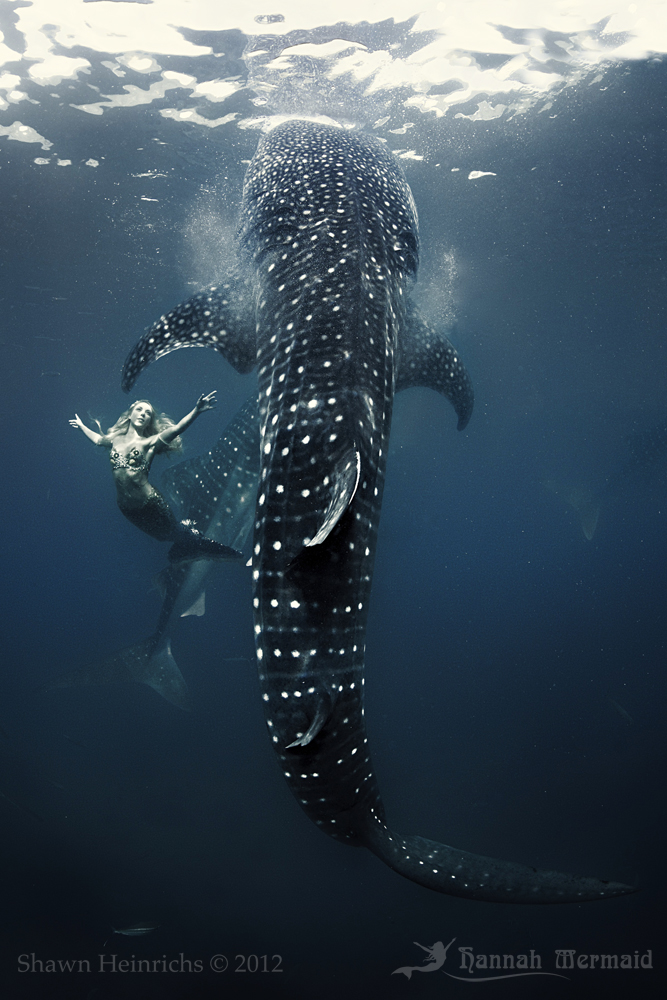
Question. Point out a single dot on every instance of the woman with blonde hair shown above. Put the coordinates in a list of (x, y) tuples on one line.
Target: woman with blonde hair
[(134, 440)]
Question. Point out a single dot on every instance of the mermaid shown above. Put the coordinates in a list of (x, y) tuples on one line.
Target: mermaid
[(134, 440)]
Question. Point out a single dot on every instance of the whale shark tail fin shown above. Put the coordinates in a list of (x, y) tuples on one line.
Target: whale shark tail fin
[(582, 500), (458, 873), (146, 662)]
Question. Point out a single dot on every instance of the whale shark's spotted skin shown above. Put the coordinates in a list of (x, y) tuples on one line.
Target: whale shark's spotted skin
[(332, 230), (329, 233)]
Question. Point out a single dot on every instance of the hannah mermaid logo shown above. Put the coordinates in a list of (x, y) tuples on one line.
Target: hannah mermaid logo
[(512, 966), (437, 954)]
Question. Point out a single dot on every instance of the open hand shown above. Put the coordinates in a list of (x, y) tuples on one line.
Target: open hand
[(206, 402), (77, 422)]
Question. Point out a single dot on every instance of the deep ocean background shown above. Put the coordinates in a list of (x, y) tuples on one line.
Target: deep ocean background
[(499, 638)]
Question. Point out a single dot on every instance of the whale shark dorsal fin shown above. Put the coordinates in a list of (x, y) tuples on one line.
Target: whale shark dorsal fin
[(198, 607), (344, 481)]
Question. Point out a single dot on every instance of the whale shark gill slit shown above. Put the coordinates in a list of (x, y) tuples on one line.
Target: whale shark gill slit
[(329, 237)]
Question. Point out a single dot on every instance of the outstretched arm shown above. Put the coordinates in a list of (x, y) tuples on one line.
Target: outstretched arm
[(203, 403), (91, 435)]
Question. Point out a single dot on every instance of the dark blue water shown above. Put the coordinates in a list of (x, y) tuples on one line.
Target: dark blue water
[(515, 670)]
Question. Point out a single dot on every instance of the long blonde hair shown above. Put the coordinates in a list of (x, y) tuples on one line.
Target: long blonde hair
[(156, 426)]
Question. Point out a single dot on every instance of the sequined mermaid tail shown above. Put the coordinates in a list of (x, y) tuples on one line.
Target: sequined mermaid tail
[(191, 544), (149, 662), (155, 518)]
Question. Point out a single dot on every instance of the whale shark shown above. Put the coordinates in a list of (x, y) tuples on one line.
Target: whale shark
[(328, 249), (215, 491)]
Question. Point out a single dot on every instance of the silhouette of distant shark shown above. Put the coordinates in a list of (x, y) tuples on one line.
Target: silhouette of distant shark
[(330, 240), (647, 448)]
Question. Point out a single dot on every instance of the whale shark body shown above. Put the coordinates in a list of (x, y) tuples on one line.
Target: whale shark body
[(329, 246)]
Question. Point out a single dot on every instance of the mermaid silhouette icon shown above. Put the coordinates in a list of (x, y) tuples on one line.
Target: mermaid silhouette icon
[(437, 954)]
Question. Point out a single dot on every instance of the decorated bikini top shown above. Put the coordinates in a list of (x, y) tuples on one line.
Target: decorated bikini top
[(134, 461)]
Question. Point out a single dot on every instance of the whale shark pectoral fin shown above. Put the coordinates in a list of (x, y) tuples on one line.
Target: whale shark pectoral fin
[(428, 358), (220, 317), (321, 715), (344, 481)]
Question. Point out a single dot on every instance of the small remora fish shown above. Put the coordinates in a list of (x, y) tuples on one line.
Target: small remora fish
[(135, 930), (329, 232), (621, 711)]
